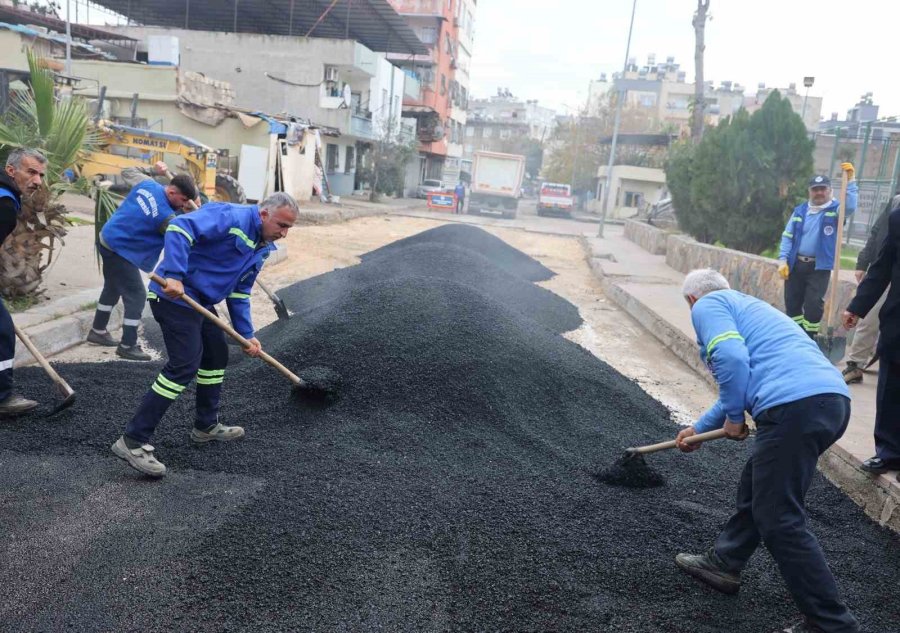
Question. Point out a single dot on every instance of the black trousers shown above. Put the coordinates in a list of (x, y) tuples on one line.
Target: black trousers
[(7, 352), (195, 346), (887, 408), (804, 296), (770, 505), (121, 280)]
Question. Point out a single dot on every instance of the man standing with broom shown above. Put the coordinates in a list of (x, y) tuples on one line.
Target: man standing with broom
[(798, 415), (808, 245)]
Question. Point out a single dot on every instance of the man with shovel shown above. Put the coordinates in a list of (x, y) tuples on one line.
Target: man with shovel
[(23, 175), (211, 255), (806, 258), (754, 351)]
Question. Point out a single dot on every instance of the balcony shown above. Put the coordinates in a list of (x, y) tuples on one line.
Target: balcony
[(419, 7), (361, 127)]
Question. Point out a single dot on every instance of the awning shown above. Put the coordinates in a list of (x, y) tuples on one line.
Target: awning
[(410, 110), (373, 23)]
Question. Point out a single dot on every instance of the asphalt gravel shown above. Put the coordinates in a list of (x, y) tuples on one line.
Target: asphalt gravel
[(450, 488)]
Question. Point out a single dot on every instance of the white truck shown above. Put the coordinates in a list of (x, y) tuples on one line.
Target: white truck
[(496, 183), (555, 198)]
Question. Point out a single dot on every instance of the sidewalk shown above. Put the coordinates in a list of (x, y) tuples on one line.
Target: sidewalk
[(650, 291)]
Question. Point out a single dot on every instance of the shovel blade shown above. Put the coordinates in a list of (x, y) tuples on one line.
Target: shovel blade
[(832, 346), (65, 404)]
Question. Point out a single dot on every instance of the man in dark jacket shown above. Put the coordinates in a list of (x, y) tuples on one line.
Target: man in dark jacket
[(884, 271), (862, 348), (23, 175)]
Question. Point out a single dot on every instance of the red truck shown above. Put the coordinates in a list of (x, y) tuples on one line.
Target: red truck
[(555, 199)]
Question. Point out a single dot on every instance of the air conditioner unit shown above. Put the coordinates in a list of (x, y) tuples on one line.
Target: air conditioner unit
[(331, 73)]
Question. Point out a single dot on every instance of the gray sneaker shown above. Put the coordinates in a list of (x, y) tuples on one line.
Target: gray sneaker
[(140, 458), (218, 433), (853, 373), (103, 339), (706, 568), (16, 405)]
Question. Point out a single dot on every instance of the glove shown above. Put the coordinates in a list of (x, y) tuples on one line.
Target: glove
[(851, 171), (783, 269)]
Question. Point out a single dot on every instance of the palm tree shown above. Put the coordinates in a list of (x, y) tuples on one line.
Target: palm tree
[(58, 128)]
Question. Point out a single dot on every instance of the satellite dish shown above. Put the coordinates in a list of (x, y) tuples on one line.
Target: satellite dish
[(347, 95)]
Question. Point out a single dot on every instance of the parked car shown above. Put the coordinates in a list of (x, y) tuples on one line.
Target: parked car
[(429, 186), (555, 199)]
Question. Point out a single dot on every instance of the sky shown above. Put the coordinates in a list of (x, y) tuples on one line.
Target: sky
[(550, 50)]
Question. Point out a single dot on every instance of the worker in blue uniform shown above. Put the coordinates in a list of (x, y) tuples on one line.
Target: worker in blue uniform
[(754, 351), (211, 255), (131, 241), (806, 257), (22, 177)]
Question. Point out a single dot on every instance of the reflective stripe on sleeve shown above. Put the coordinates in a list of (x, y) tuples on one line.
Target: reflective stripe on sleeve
[(725, 336), (178, 229)]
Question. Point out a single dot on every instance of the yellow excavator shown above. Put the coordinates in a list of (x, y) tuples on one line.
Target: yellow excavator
[(124, 146)]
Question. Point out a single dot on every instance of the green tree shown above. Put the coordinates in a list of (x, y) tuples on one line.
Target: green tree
[(531, 149), (57, 127), (739, 184)]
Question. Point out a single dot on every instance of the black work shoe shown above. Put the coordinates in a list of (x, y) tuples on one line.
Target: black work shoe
[(103, 339), (877, 466), (16, 405), (705, 568), (801, 627), (853, 373), (132, 352)]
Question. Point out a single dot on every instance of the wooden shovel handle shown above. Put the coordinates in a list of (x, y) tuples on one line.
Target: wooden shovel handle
[(693, 439), (836, 269), (230, 331), (55, 377)]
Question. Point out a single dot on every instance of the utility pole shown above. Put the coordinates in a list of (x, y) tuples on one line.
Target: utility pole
[(699, 22), (69, 38), (620, 100), (808, 82)]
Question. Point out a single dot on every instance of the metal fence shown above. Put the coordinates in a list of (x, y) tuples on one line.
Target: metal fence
[(876, 157)]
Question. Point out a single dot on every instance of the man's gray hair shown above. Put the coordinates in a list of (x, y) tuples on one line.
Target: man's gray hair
[(17, 155), (278, 200), (701, 282)]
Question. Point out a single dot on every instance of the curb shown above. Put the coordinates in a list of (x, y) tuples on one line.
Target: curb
[(879, 497)]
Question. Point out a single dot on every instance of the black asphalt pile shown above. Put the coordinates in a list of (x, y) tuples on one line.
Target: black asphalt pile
[(475, 239), (445, 261), (450, 488)]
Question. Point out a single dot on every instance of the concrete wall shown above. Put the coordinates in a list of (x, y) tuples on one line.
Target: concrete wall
[(751, 274), (647, 181), (650, 238)]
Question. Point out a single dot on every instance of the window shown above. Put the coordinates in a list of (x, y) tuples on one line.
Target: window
[(331, 158), (633, 199), (488, 132), (505, 133), (469, 149), (350, 160), (443, 84), (470, 132), (429, 35)]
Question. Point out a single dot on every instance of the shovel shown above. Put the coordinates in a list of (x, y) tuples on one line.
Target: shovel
[(322, 382), (631, 471), (834, 346), (67, 393), (281, 310)]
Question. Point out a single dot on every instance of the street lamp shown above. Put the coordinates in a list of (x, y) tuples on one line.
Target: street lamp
[(808, 82), (615, 134)]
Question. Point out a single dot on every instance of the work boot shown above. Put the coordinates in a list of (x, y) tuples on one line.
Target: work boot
[(101, 338), (853, 373), (707, 568), (16, 405), (140, 458), (217, 433), (801, 627), (132, 352)]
